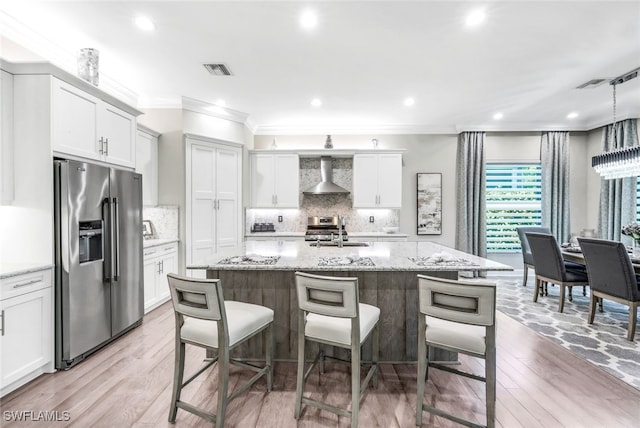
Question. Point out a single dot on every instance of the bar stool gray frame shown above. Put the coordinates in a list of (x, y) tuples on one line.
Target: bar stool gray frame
[(330, 313), (204, 319), (457, 316)]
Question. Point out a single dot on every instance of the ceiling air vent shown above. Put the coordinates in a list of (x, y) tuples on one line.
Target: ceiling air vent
[(218, 69), (591, 84)]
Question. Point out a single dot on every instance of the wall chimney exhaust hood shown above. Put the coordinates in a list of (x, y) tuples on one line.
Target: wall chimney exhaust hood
[(326, 186)]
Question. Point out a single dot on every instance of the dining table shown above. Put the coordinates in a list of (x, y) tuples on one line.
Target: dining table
[(574, 254)]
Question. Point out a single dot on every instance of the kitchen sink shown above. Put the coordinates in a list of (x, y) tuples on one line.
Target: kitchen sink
[(335, 244)]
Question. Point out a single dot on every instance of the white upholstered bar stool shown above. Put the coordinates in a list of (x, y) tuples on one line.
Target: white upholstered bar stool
[(457, 316), (329, 312), (204, 319)]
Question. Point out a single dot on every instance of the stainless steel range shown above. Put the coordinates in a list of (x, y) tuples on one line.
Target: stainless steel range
[(325, 229)]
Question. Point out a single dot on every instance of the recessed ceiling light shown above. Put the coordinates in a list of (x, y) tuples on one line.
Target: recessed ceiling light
[(145, 23), (475, 17), (316, 102), (309, 19), (409, 101), (572, 115), (498, 116)]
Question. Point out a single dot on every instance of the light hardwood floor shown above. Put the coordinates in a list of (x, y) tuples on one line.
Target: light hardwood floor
[(128, 384)]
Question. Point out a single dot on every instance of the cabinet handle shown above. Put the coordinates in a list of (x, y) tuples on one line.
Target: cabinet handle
[(101, 142), (24, 284), (2, 322), (276, 196), (162, 266), (106, 144)]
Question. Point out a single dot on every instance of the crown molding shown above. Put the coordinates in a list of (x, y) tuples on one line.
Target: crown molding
[(213, 110)]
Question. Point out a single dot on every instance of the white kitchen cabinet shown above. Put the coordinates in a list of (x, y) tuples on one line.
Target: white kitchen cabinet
[(214, 197), (275, 180), (158, 262), (26, 340), (377, 180), (6, 138), (88, 127), (147, 164)]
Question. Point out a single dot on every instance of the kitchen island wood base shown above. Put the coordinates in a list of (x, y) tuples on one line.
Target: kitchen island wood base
[(394, 292)]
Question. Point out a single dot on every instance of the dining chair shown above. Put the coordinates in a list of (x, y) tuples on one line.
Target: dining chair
[(612, 277), (551, 267), (330, 313), (205, 319), (458, 316), (527, 258)]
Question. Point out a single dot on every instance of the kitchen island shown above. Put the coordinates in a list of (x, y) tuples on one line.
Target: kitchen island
[(263, 272)]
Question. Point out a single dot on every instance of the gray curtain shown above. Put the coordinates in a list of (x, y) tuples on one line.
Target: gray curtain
[(470, 190), (554, 158), (617, 197)]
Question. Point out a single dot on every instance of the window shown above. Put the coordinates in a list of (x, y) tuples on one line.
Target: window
[(513, 197)]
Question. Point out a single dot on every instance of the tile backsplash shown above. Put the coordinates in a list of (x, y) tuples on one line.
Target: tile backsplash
[(295, 220), (164, 219)]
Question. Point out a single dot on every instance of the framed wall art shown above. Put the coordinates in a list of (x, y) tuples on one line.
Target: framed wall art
[(429, 203)]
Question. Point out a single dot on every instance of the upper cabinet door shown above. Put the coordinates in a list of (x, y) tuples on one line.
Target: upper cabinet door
[(262, 181), (7, 191), (275, 180), (365, 181), (74, 121), (377, 180), (390, 180), (116, 130), (287, 186), (86, 126)]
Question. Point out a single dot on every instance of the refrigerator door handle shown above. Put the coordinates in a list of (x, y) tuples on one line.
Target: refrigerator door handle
[(106, 267), (116, 240)]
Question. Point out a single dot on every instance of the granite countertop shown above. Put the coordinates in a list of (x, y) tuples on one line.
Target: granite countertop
[(385, 256), (8, 270), (148, 243)]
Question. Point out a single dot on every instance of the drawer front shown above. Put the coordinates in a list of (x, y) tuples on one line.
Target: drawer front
[(150, 253), (26, 283), (167, 249), (159, 251)]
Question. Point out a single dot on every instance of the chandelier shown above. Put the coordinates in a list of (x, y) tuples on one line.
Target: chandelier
[(618, 164), (624, 162)]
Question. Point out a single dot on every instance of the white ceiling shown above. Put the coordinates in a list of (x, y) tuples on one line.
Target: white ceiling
[(362, 60)]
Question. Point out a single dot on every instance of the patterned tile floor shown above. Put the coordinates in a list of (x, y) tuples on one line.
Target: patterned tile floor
[(603, 343)]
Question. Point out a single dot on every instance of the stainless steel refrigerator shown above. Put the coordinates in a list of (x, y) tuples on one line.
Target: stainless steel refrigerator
[(98, 250)]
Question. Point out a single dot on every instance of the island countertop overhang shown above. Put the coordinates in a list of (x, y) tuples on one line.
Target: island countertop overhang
[(416, 256)]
